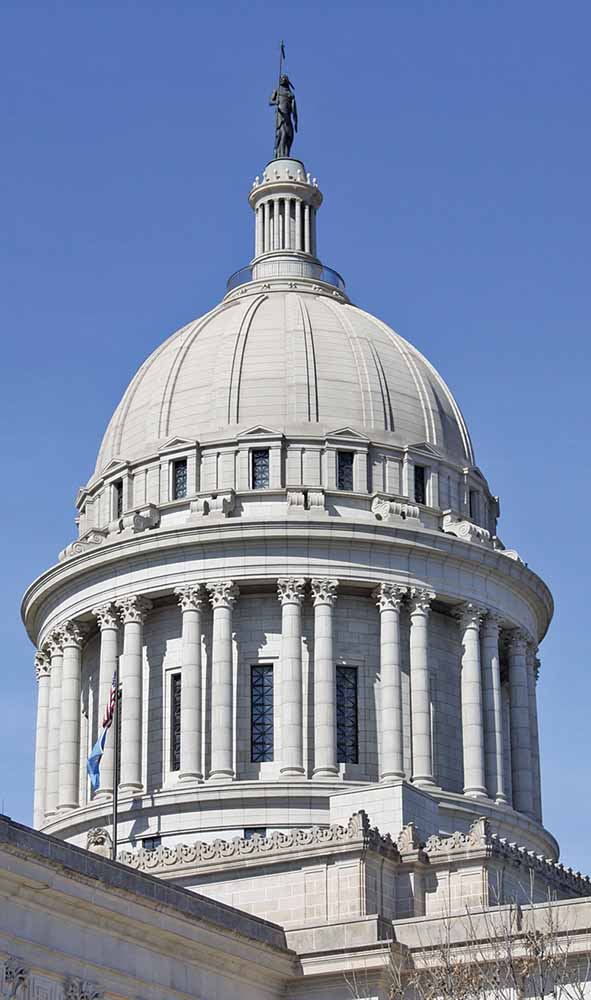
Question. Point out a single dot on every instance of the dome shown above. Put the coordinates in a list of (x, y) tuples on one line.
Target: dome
[(296, 361)]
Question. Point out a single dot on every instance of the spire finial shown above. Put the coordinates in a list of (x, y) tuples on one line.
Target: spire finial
[(286, 111)]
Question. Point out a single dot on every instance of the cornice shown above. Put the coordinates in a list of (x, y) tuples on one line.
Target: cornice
[(513, 575)]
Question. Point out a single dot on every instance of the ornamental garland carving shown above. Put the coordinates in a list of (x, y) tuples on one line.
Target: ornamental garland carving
[(106, 616), (222, 593), (133, 609), (290, 589), (324, 591), (42, 664), (81, 989), (16, 974), (389, 596), (191, 597)]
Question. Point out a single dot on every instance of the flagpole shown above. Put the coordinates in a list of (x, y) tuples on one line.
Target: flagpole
[(116, 762)]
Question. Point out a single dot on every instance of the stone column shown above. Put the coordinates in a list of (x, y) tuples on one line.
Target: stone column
[(306, 228), (494, 758), (470, 617), (422, 749), (299, 207), (324, 594), (69, 769), (42, 672), (291, 595), (108, 621), (389, 597), (191, 600), (223, 594), (133, 615), (56, 653), (521, 762), (533, 666)]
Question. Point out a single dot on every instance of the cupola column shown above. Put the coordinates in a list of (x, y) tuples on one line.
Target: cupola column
[(470, 617), (42, 672), (108, 622), (191, 600), (420, 694), (291, 595), (133, 614), (56, 652), (521, 763), (223, 594), (324, 594), (533, 666), (69, 769), (389, 597), (493, 709)]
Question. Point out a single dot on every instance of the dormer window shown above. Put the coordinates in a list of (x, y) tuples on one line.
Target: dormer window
[(179, 479), (260, 468), (345, 470), (420, 484), (118, 498)]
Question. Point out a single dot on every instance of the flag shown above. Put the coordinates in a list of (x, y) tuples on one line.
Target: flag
[(94, 761)]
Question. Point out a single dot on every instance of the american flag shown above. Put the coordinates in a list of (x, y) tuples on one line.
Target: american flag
[(110, 706)]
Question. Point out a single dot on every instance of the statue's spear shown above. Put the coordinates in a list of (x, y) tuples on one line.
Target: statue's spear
[(281, 57)]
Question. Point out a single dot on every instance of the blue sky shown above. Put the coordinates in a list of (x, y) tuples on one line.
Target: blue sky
[(452, 145)]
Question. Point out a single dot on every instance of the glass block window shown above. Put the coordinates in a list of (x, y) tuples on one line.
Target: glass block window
[(151, 843), (175, 722), (345, 470), (261, 712), (260, 469), (347, 730), (179, 479), (118, 498), (420, 487)]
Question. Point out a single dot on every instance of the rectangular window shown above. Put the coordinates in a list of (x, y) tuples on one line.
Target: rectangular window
[(175, 722), (347, 730), (345, 470), (473, 501), (261, 712), (260, 469), (420, 484), (179, 479), (151, 843), (252, 831), (118, 498)]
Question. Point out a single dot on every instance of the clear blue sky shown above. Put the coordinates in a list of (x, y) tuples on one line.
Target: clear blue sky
[(452, 144)]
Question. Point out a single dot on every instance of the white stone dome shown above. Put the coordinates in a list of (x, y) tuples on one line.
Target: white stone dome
[(298, 361)]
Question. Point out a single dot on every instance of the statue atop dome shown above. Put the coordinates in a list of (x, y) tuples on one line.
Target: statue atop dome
[(286, 113)]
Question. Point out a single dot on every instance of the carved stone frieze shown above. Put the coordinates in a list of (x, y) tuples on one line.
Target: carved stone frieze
[(324, 591), (478, 836), (16, 976), (466, 530), (81, 989), (290, 589), (388, 509), (98, 841), (408, 840), (389, 596)]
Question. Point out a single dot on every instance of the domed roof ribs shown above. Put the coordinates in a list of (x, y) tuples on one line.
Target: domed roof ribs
[(238, 358), (311, 369), (360, 363)]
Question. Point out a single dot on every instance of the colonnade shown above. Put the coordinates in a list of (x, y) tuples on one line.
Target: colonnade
[(285, 224), (59, 672)]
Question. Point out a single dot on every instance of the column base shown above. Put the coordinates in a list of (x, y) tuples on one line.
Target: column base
[(324, 773), (102, 795), (190, 776), (131, 786), (389, 776), (292, 772), (476, 792), (423, 781), (66, 807), (502, 800), (221, 777)]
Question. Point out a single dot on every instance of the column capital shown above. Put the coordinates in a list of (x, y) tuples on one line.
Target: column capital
[(55, 642), (389, 596), (324, 591), (518, 640), (74, 633), (133, 609), (42, 664), (469, 615), (290, 589), (492, 624), (106, 616), (420, 600), (191, 597), (222, 593)]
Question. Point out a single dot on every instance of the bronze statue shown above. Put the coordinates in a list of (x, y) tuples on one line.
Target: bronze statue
[(286, 116)]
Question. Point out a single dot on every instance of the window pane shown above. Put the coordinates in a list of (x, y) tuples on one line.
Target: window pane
[(347, 735), (473, 504), (260, 469), (420, 484), (118, 490), (175, 722), (180, 479), (261, 712), (345, 470)]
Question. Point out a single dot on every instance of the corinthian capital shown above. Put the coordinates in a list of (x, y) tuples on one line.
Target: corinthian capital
[(55, 642), (222, 593), (290, 589), (191, 597), (42, 664), (133, 609), (106, 616), (389, 596), (73, 633), (16, 974), (469, 615), (324, 591), (420, 600), (491, 626), (518, 640)]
